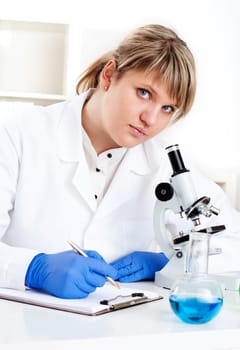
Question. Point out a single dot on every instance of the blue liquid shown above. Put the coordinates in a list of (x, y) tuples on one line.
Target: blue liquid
[(194, 310)]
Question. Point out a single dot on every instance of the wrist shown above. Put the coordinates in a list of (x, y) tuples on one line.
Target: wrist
[(33, 270)]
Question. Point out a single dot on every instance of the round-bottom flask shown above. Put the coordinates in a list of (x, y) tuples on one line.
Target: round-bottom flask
[(196, 298)]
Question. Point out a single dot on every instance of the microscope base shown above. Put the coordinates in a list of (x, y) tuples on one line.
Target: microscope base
[(170, 273), (167, 276), (164, 281)]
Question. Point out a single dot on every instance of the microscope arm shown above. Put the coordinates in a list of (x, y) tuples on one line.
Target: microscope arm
[(170, 202)]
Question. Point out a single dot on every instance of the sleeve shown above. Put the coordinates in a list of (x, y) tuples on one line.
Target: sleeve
[(13, 260)]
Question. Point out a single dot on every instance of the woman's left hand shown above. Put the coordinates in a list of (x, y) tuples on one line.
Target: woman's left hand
[(139, 266)]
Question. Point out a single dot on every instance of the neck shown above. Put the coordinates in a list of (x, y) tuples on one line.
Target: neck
[(92, 123)]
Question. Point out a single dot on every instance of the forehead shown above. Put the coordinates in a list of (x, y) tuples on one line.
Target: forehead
[(141, 75)]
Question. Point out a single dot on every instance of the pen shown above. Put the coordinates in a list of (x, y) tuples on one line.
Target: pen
[(80, 251)]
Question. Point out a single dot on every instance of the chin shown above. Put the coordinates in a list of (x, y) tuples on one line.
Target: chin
[(130, 144)]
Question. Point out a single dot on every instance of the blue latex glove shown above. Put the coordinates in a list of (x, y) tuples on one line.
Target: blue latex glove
[(139, 266), (68, 274)]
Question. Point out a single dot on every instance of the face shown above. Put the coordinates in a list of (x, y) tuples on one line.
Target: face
[(134, 108)]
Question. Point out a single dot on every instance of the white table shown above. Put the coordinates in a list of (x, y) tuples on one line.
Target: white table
[(152, 324)]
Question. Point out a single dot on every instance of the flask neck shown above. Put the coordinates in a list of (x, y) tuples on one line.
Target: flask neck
[(197, 253)]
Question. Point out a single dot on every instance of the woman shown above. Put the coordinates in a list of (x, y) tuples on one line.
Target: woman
[(86, 170)]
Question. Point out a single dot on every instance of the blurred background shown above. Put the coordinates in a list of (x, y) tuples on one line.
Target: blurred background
[(45, 45)]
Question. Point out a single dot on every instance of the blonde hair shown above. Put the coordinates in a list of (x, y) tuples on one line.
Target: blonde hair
[(154, 49)]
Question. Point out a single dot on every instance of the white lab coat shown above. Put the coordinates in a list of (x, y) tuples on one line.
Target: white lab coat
[(46, 196)]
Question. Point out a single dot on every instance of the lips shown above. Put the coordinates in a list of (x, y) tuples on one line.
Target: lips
[(137, 131)]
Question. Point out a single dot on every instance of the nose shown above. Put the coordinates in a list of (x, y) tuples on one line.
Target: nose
[(150, 115)]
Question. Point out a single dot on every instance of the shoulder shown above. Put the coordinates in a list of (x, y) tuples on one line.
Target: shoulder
[(155, 151), (24, 115), (30, 118)]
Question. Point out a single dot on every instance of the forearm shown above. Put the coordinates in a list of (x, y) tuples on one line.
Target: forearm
[(14, 262)]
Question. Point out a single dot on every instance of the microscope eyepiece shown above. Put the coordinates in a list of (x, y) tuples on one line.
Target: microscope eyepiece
[(176, 160)]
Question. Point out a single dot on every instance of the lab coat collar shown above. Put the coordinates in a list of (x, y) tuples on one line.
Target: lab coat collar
[(131, 175), (137, 160), (69, 135)]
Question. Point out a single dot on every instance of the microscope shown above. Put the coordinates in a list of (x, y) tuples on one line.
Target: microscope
[(179, 196)]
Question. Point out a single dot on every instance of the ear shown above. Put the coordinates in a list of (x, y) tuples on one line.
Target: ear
[(107, 73)]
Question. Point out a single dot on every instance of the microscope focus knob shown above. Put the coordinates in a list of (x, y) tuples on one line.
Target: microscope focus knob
[(164, 191)]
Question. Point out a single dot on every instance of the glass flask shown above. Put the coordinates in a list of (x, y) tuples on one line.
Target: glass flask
[(196, 298)]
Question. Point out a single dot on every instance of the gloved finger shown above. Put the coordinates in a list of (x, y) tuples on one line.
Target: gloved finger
[(102, 268), (123, 262), (133, 277), (74, 283), (72, 291), (92, 281), (139, 265), (126, 266), (94, 254), (129, 270), (89, 273)]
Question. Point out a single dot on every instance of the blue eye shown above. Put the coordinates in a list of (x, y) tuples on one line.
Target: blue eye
[(168, 109), (144, 93)]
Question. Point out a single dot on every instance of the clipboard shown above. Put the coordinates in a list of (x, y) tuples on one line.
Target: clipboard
[(103, 300)]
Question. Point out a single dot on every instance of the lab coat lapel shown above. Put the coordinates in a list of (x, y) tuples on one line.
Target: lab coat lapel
[(70, 149), (127, 180), (81, 181)]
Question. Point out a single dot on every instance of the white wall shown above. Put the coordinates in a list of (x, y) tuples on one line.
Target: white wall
[(212, 30)]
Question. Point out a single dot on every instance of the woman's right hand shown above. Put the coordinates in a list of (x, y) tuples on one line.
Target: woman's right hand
[(68, 274)]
